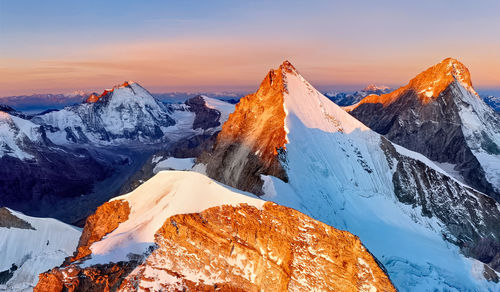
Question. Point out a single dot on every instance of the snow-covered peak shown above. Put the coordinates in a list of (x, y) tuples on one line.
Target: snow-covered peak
[(16, 134), (131, 93), (314, 110), (261, 123), (167, 194), (373, 87), (127, 111), (288, 67), (126, 86), (437, 78), (436, 101)]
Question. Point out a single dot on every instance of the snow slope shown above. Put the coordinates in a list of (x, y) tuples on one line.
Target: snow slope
[(339, 174), (481, 130), (225, 108), (15, 136), (174, 163), (168, 193), (34, 251)]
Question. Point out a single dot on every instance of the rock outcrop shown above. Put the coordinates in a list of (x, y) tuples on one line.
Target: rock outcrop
[(472, 223), (253, 137), (205, 117), (8, 220), (274, 249), (105, 219), (230, 246)]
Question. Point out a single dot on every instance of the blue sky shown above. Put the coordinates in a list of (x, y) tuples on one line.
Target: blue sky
[(229, 45)]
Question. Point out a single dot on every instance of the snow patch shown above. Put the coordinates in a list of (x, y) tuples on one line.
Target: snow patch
[(172, 163), (225, 108)]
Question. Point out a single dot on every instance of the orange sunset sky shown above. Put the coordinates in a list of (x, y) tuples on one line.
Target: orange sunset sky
[(64, 46)]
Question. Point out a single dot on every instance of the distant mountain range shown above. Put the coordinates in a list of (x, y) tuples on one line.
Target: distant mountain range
[(37, 103), (346, 98), (493, 101)]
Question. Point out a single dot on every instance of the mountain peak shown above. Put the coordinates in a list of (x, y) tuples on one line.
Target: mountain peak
[(94, 98), (288, 67), (431, 82), (373, 87), (427, 85), (254, 138)]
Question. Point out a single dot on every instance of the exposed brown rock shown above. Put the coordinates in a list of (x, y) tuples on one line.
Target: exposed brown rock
[(9, 220), (75, 279), (253, 137), (49, 282), (106, 219), (233, 248), (274, 249), (489, 274)]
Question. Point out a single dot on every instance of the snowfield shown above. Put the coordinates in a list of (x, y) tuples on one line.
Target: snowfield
[(34, 251)]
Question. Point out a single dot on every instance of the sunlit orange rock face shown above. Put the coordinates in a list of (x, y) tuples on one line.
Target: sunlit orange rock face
[(106, 219), (253, 137), (70, 277), (428, 84), (73, 278), (237, 248), (94, 98)]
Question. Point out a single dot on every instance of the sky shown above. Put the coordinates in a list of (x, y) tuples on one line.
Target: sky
[(61, 46)]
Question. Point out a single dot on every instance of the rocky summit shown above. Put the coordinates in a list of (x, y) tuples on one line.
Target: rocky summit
[(179, 238), (439, 114)]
